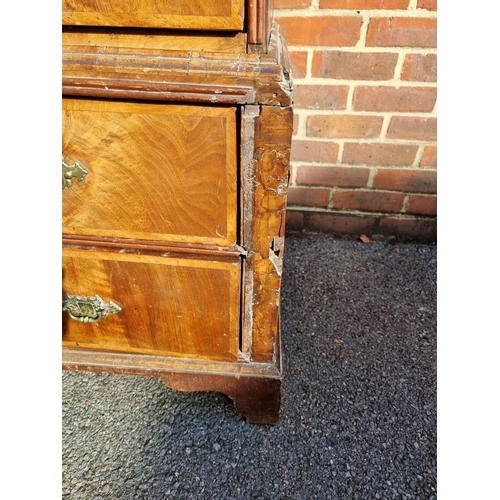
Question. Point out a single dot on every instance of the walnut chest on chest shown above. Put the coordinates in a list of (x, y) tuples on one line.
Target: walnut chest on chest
[(177, 123)]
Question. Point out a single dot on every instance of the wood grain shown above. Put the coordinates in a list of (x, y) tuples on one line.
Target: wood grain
[(178, 14), (229, 42), (156, 172), (170, 306)]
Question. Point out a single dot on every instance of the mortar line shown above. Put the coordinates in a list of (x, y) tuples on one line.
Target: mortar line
[(419, 155), (354, 48), (362, 35), (385, 126), (362, 140), (293, 177), (406, 200), (331, 197), (398, 69), (371, 177), (365, 83), (399, 215), (372, 13), (350, 99), (309, 59), (340, 155), (302, 128), (341, 111)]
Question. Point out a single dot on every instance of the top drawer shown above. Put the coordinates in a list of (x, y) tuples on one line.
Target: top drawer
[(155, 172), (227, 15)]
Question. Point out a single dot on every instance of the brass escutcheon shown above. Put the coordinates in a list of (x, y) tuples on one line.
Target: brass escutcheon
[(88, 309), (69, 171)]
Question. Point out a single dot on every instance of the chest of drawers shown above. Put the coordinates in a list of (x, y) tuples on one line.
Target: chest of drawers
[(177, 122)]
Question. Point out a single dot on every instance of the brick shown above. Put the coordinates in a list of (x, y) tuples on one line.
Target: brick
[(344, 126), (291, 4), (407, 180), (298, 61), (308, 197), (402, 32), (314, 151), (395, 228), (364, 4), (320, 96), (422, 205), (379, 154), (321, 31), (380, 98), (429, 158), (412, 128), (340, 225), (424, 230), (368, 200), (332, 176), (353, 65), (427, 4), (294, 221), (420, 68)]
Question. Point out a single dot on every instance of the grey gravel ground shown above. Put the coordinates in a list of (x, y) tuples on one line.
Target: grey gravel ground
[(358, 416)]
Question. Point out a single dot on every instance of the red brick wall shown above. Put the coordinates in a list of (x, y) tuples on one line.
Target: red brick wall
[(364, 145)]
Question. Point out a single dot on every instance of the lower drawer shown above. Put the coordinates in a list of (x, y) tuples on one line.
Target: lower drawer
[(166, 305)]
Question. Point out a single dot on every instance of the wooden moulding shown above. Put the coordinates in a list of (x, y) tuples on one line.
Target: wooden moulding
[(254, 388), (135, 72), (152, 247), (258, 25)]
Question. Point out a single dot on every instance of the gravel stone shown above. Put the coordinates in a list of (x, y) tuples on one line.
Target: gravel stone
[(358, 415)]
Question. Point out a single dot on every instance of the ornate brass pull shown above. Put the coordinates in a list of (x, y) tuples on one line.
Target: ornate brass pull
[(88, 309), (70, 171)]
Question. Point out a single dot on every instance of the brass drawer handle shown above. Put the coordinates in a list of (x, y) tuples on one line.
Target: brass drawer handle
[(88, 309), (69, 171)]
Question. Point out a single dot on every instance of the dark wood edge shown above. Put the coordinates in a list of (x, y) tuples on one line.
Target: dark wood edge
[(157, 366), (75, 88), (255, 389), (257, 399), (258, 25), (150, 246), (252, 21)]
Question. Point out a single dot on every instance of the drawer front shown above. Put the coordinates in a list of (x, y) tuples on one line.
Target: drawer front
[(175, 14), (155, 171), (169, 306)]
